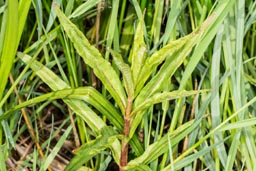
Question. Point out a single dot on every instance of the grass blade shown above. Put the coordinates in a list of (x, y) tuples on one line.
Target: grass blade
[(49, 159), (9, 44)]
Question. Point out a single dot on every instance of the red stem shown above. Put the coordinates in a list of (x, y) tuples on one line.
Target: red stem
[(125, 145)]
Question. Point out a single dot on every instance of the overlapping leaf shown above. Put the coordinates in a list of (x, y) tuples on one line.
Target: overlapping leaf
[(139, 53), (91, 56), (87, 94), (107, 139), (174, 54), (55, 83), (78, 106), (158, 148), (126, 72)]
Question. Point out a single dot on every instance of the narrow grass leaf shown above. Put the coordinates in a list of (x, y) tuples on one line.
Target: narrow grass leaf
[(52, 15), (219, 15), (172, 19), (91, 56), (239, 124), (157, 19), (215, 103), (112, 27), (48, 160), (84, 8), (9, 44), (24, 6), (193, 157)]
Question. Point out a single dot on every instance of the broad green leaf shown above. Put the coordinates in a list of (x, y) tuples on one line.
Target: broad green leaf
[(161, 97), (105, 140), (126, 72), (87, 94), (55, 83), (139, 52), (156, 149), (91, 56), (10, 43)]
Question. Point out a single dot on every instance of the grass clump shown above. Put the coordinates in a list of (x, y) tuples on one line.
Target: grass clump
[(127, 85)]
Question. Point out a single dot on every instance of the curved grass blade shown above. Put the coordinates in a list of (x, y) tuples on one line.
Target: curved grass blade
[(91, 56), (87, 94)]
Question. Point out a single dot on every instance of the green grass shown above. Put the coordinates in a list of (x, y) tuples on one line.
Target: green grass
[(127, 85)]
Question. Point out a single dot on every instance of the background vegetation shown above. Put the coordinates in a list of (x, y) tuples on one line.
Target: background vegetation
[(127, 85)]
